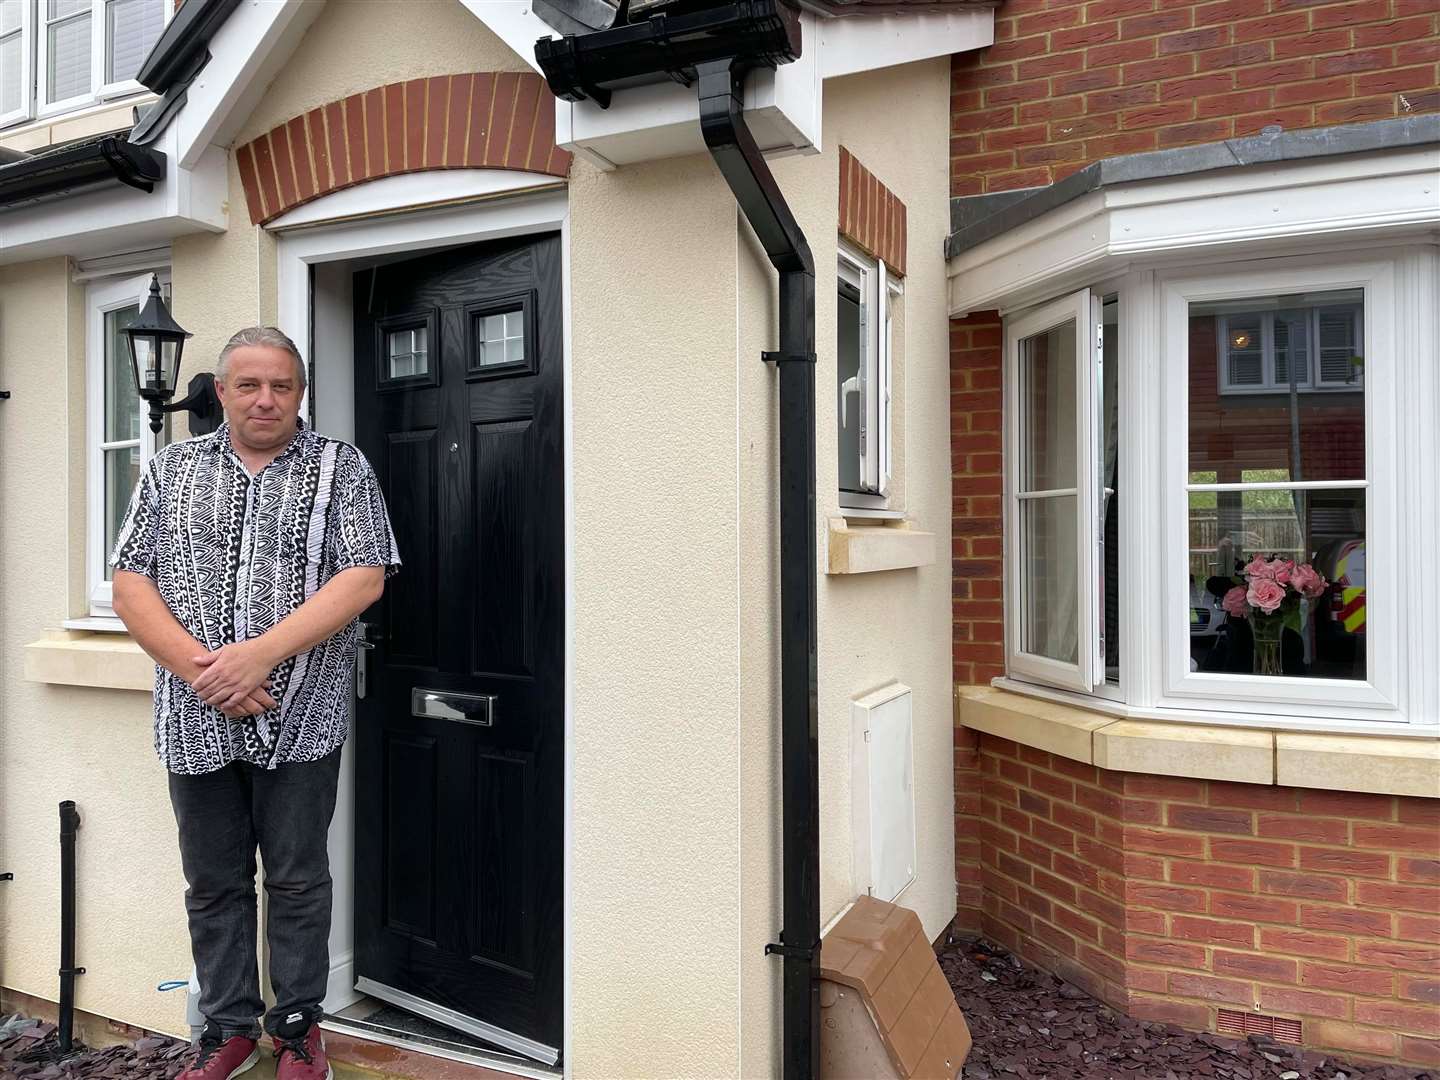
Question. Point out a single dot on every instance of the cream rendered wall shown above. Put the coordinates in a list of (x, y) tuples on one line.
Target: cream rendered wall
[(357, 45), (56, 742), (657, 768)]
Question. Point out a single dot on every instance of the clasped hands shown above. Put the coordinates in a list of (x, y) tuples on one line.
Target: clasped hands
[(236, 678)]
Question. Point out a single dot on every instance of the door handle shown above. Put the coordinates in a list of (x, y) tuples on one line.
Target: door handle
[(363, 649), (477, 709)]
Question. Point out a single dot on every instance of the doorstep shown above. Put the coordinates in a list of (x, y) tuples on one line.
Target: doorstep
[(362, 1059)]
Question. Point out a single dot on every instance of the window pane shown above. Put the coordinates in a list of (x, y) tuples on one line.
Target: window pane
[(132, 27), (1110, 482), (1318, 629), (1047, 393), (1244, 354), (1341, 345), (10, 86), (502, 338), (68, 50), (1048, 584), (58, 9), (850, 405), (122, 472), (122, 401), (9, 15), (408, 353), (1312, 435)]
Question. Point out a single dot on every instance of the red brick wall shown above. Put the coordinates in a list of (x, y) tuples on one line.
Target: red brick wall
[(976, 567), (1070, 81), (1173, 898)]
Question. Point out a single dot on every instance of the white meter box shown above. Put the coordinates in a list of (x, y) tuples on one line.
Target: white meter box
[(883, 792)]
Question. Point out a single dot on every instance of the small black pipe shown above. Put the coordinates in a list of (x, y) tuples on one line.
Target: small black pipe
[(722, 123), (69, 825)]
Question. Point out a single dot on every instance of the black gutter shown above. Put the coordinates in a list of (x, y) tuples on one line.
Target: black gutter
[(714, 48), (184, 43), (79, 166)]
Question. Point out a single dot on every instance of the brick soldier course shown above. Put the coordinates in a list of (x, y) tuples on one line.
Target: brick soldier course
[(488, 119)]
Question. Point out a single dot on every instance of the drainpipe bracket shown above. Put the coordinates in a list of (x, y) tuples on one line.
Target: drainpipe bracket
[(72, 971), (772, 357), (798, 952), (7, 876)]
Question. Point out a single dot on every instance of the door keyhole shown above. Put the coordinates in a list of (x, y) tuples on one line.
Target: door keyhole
[(454, 447)]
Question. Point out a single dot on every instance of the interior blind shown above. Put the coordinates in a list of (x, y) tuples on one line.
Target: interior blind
[(132, 28)]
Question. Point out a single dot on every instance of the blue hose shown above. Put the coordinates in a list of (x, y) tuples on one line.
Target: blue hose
[(172, 984)]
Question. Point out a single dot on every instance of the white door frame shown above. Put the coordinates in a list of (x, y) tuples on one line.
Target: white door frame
[(393, 227)]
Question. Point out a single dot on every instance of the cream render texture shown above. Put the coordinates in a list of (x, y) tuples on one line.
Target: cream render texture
[(675, 861)]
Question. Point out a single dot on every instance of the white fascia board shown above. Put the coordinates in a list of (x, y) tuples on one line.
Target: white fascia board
[(514, 23), (247, 52), (662, 120), (1286, 203), (857, 43), (118, 218)]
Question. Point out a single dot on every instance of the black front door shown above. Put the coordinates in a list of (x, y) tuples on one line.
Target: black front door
[(459, 732)]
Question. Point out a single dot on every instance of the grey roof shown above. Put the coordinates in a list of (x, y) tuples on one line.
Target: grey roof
[(977, 218)]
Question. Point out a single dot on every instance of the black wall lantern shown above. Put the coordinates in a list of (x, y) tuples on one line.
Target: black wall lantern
[(156, 343)]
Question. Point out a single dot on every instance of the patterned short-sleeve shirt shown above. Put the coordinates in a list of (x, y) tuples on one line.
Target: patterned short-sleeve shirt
[(232, 555)]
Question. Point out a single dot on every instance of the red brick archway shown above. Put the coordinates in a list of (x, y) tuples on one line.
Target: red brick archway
[(483, 120)]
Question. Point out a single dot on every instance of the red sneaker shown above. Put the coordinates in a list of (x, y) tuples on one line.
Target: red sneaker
[(221, 1059), (302, 1057)]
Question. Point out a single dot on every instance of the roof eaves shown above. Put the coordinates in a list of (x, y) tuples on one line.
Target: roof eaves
[(977, 218)]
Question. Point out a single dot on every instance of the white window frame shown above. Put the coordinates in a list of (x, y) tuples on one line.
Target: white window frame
[(1379, 692), (878, 291), (1270, 382), (1089, 670), (102, 297), (26, 33), (99, 90), (1401, 342)]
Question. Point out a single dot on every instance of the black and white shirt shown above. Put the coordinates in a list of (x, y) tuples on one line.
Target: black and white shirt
[(232, 555)]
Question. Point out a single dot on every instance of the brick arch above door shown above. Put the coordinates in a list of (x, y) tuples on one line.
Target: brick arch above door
[(480, 120)]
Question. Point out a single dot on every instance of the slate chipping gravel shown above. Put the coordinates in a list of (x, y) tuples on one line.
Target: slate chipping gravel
[(1027, 1023), (152, 1058)]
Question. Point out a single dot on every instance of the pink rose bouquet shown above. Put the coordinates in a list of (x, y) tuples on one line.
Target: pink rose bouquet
[(1269, 594)]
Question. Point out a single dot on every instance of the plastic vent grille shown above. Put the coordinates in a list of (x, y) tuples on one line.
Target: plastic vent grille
[(1241, 1024)]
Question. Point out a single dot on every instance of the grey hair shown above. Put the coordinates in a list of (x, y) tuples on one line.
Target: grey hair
[(266, 336)]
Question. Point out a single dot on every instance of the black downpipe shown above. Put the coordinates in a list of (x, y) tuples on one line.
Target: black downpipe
[(722, 122), (69, 825)]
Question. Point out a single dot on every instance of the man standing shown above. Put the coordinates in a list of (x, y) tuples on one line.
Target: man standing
[(245, 558)]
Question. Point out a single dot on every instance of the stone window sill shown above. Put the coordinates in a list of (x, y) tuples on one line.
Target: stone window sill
[(82, 658), (1378, 765), (863, 549)]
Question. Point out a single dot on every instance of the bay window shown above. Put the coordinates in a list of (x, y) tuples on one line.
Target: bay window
[(1278, 485), (58, 55)]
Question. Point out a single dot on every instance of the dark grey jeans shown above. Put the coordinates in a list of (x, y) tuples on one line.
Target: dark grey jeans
[(223, 816)]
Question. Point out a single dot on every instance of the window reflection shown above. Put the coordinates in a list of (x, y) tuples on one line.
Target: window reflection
[(1276, 485)]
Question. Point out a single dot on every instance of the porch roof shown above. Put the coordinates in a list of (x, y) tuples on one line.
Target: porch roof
[(977, 218)]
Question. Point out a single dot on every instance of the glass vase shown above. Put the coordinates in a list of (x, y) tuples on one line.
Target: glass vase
[(1266, 630)]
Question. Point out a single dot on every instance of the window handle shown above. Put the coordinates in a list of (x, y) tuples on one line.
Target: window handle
[(848, 387)]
